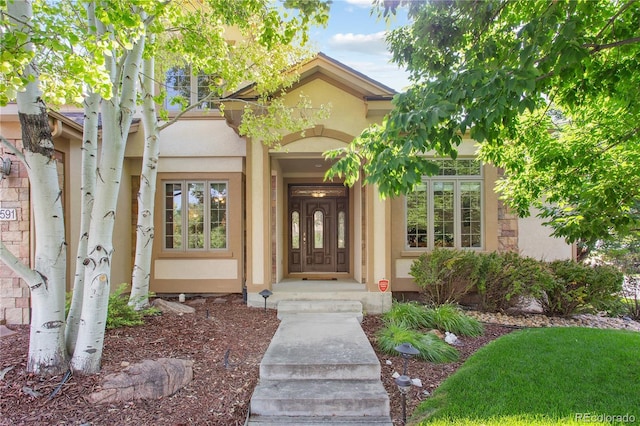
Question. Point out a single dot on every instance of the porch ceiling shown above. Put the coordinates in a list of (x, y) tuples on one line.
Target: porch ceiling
[(304, 165)]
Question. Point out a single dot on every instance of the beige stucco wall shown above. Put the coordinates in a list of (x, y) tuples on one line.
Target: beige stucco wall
[(535, 240), (200, 149)]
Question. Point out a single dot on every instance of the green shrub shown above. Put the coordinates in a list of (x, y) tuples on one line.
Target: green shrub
[(444, 275), (430, 346), (580, 287), (451, 318), (121, 314), (502, 279)]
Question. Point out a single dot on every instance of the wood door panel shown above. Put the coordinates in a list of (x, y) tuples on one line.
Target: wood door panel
[(316, 247)]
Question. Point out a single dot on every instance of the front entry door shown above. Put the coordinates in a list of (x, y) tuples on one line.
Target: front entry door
[(318, 219)]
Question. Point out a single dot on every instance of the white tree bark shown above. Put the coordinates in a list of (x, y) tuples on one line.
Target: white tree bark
[(146, 206), (47, 281), (117, 114), (88, 185)]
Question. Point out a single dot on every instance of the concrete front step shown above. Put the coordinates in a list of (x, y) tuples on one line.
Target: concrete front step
[(319, 421), (318, 398), (287, 307), (319, 346), (319, 369)]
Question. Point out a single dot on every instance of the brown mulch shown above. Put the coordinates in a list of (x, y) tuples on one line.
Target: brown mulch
[(226, 341)]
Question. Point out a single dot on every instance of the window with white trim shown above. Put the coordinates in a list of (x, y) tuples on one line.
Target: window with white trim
[(446, 209), (195, 215), (184, 88)]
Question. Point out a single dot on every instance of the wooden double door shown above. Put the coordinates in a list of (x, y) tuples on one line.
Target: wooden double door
[(318, 229)]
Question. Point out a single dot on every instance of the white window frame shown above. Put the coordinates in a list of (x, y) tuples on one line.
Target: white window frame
[(193, 91), (428, 182), (207, 216)]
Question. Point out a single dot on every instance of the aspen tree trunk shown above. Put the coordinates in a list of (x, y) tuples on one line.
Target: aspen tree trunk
[(47, 281), (88, 185), (146, 196), (117, 114)]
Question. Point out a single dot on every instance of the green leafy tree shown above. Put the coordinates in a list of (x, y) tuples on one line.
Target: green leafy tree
[(550, 88), (96, 52)]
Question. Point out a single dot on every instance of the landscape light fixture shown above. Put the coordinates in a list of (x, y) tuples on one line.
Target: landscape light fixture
[(404, 385), (265, 293), (5, 167), (407, 351)]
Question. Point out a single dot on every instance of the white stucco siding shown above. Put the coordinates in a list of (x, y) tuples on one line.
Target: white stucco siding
[(535, 240), (196, 269)]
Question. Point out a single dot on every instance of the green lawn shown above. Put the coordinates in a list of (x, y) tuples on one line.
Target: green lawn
[(543, 377)]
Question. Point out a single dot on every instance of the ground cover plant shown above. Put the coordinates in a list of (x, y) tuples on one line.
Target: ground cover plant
[(451, 318), (431, 347), (414, 323), (542, 376)]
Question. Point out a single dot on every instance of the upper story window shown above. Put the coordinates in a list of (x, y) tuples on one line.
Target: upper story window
[(446, 210), (185, 88), (195, 215)]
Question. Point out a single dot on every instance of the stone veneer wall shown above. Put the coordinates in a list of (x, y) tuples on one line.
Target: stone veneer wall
[(14, 194), (507, 226), (507, 229)]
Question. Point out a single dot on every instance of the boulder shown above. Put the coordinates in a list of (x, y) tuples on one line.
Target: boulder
[(172, 307), (149, 379)]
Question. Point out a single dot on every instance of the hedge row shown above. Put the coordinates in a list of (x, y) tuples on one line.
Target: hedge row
[(502, 280)]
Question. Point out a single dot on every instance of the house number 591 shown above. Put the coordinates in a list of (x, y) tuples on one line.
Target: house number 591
[(8, 214)]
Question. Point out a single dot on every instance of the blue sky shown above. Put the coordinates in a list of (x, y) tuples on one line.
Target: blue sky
[(356, 39)]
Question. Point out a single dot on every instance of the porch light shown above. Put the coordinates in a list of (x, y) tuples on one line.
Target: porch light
[(5, 167), (404, 385), (265, 293), (406, 350)]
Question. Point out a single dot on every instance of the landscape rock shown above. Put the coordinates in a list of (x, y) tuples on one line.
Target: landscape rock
[(539, 320), (149, 379), (172, 307)]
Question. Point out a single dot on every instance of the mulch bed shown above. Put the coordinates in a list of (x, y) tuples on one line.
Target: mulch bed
[(226, 341)]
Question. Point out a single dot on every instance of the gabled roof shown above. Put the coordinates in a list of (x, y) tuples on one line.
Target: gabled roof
[(339, 74)]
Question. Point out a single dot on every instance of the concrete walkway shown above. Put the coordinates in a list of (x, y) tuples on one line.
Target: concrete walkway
[(319, 369)]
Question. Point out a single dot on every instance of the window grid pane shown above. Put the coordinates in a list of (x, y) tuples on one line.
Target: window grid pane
[(417, 218), (195, 230), (466, 167), (218, 215), (470, 214), (205, 82), (443, 214), (178, 86), (173, 215)]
